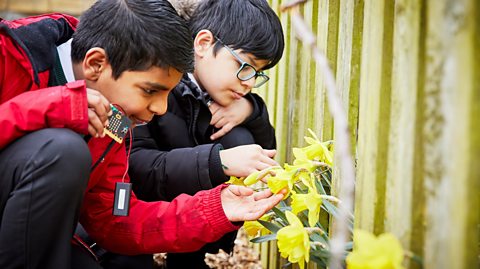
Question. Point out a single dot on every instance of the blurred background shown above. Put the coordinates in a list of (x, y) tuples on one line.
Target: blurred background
[(15, 8)]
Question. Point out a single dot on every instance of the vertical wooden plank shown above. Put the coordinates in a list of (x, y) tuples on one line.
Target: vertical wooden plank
[(418, 185), (313, 88), (302, 91), (401, 148), (473, 227), (348, 66), (449, 95), (291, 102), (284, 99), (331, 52), (374, 114), (472, 230), (321, 109)]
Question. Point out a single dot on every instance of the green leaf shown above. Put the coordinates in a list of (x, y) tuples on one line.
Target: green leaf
[(349, 246), (321, 261), (270, 226), (280, 214), (264, 238)]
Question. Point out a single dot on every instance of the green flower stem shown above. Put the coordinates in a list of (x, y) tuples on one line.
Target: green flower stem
[(318, 244), (311, 230), (330, 198)]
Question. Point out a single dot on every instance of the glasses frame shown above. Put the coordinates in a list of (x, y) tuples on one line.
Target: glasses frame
[(242, 66)]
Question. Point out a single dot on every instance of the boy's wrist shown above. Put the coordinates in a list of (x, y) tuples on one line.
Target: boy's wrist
[(216, 168)]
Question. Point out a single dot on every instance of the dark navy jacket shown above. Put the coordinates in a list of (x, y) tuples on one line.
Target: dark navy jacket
[(173, 154)]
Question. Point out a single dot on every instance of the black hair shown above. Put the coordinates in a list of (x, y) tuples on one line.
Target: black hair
[(136, 35), (249, 25)]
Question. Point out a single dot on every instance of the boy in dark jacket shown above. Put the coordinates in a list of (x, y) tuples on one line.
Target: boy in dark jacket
[(130, 53), (193, 147)]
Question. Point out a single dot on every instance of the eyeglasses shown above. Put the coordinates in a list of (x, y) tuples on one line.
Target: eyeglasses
[(246, 70)]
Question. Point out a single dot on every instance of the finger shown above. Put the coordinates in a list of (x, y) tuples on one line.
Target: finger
[(270, 152), (99, 104), (225, 129), (92, 131), (106, 104), (262, 166), (215, 118), (94, 120), (214, 107), (263, 206), (268, 161), (263, 176), (221, 122), (240, 190), (262, 195)]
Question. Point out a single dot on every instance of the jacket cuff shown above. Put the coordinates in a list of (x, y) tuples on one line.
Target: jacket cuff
[(217, 176), (212, 205), (76, 106), (256, 108)]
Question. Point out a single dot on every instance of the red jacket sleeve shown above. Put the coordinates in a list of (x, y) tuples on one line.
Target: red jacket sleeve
[(55, 107), (183, 225)]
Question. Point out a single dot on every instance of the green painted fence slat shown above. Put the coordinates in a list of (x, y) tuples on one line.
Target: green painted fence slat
[(408, 72)]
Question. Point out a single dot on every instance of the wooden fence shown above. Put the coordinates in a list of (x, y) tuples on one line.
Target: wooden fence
[(409, 75), (73, 7)]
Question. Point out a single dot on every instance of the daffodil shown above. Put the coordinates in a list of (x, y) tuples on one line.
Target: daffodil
[(293, 241), (371, 252), (259, 175), (311, 201), (253, 228), (283, 179), (316, 152), (235, 181)]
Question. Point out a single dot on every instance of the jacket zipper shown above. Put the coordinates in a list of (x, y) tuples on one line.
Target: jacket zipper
[(102, 158)]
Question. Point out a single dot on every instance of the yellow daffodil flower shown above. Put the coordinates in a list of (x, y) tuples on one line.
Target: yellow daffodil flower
[(253, 228), (259, 175), (235, 181), (293, 241), (283, 179), (371, 252), (316, 152), (311, 201)]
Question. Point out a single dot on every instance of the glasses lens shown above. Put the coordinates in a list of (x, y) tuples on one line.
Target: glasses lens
[(246, 72), (261, 79)]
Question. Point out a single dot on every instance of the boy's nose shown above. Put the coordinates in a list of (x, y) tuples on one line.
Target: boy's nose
[(159, 106), (249, 84)]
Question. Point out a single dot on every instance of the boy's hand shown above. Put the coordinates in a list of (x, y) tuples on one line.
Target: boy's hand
[(242, 203), (241, 161), (98, 112), (227, 117)]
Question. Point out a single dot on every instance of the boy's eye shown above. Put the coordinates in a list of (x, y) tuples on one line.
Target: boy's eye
[(148, 91)]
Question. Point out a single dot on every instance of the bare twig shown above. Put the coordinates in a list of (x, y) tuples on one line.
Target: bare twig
[(291, 4), (342, 145)]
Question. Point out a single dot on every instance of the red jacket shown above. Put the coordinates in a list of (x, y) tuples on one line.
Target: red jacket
[(27, 104)]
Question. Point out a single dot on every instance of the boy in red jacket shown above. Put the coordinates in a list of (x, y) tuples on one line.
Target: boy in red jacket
[(129, 53)]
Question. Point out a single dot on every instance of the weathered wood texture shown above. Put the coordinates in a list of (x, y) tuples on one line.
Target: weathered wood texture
[(73, 7), (408, 72)]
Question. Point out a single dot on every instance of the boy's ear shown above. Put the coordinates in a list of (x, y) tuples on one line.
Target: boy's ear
[(94, 63), (203, 42)]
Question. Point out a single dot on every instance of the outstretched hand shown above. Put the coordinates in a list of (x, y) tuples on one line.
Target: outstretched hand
[(242, 203)]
